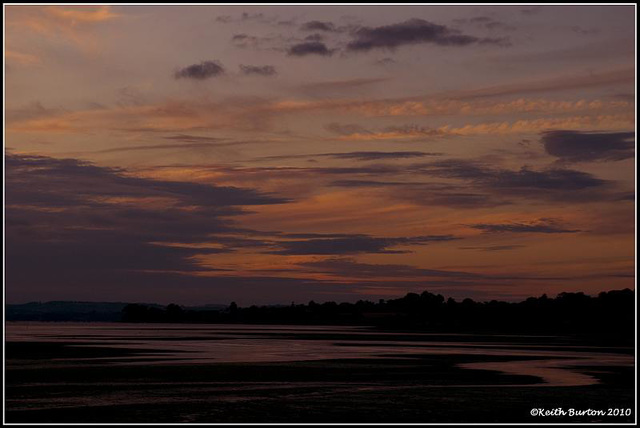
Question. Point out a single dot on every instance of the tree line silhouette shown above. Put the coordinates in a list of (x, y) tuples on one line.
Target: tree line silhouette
[(610, 315)]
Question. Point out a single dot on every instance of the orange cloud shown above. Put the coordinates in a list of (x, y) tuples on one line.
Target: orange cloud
[(82, 13), (350, 211), (607, 122), (21, 58), (251, 116), (166, 116), (438, 105), (479, 108), (72, 23)]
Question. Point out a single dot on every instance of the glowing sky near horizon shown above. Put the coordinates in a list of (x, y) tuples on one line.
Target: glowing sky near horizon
[(204, 154)]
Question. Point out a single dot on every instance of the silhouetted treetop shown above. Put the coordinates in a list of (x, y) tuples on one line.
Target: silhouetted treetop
[(610, 314)]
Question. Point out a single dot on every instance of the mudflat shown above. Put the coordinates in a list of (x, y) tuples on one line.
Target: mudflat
[(137, 374)]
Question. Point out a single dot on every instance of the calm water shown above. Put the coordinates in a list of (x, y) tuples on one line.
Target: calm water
[(165, 344)]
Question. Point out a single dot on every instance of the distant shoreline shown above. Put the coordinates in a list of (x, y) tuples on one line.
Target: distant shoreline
[(606, 318)]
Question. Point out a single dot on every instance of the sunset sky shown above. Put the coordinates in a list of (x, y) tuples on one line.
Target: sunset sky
[(204, 154)]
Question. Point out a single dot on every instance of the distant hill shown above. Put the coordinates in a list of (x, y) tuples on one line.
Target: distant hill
[(78, 311)]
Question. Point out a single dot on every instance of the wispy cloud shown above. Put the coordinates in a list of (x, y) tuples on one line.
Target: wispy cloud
[(494, 248), (486, 22), (259, 70), (561, 83), (543, 225), (69, 23), (358, 156), (21, 58), (524, 178), (182, 146), (340, 86), (356, 244), (349, 267), (613, 122), (441, 105)]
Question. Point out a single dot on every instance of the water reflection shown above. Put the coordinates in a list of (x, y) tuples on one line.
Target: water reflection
[(554, 360)]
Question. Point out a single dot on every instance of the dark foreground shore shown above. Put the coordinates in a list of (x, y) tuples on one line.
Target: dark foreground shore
[(44, 385)]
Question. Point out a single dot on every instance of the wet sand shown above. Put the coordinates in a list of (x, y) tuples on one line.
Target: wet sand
[(105, 377)]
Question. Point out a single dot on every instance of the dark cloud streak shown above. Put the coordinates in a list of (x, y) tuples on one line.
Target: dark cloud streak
[(259, 70), (348, 267), (359, 156), (86, 226), (494, 248), (411, 32), (575, 146), (318, 26), (525, 178), (545, 225), (356, 244), (310, 48), (202, 71)]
